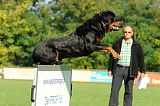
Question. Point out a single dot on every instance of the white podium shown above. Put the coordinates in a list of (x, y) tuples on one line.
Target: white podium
[(51, 85)]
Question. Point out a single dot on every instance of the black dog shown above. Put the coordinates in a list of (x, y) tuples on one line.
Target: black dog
[(82, 42)]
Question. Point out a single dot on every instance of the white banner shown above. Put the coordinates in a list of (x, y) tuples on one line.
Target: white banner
[(18, 73)]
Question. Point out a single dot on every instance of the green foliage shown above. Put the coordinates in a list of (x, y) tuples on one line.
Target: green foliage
[(20, 31), (24, 26)]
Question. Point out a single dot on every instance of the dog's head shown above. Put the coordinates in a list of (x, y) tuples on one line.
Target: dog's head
[(108, 21)]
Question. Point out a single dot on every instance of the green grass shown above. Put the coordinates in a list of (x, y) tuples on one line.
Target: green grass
[(97, 94), (17, 93)]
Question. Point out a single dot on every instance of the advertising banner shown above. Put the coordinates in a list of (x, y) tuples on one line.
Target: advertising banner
[(154, 79), (99, 76), (18, 73)]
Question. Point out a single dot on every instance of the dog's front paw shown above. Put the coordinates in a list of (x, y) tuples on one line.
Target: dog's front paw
[(116, 56)]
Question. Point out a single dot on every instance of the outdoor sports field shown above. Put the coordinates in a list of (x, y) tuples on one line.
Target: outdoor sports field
[(17, 93)]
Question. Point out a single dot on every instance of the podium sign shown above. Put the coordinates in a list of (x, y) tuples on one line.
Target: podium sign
[(51, 86)]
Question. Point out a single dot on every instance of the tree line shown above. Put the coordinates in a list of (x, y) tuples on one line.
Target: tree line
[(25, 23)]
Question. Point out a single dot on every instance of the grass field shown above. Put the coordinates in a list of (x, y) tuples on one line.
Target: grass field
[(17, 93)]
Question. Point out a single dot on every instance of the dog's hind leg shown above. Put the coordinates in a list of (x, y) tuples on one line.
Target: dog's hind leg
[(55, 59), (57, 56), (58, 60)]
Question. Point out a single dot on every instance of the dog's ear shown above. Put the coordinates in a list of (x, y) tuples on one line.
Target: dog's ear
[(107, 16)]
